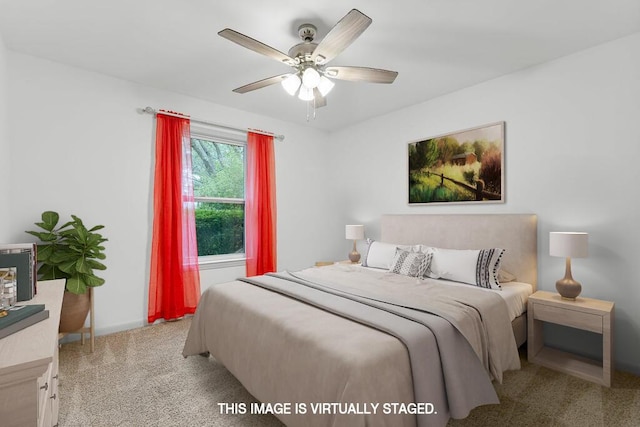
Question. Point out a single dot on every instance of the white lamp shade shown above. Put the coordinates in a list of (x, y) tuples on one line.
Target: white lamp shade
[(305, 93), (291, 84), (325, 85), (354, 232), (569, 244), (310, 78)]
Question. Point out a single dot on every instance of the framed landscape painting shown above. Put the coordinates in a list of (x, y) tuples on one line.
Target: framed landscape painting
[(466, 166)]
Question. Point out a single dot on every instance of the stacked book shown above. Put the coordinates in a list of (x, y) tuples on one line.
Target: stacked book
[(22, 257), (19, 317)]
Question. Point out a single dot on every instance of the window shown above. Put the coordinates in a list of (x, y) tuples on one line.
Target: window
[(218, 186)]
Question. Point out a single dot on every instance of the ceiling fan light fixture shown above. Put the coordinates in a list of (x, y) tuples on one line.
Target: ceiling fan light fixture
[(291, 84), (310, 78), (305, 93), (325, 85)]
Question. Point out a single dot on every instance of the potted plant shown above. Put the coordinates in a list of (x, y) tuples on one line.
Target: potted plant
[(70, 251)]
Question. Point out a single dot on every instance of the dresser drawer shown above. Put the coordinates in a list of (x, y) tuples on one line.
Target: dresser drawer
[(45, 387), (567, 317), (54, 398)]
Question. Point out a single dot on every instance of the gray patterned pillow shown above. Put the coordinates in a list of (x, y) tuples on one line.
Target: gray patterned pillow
[(412, 264)]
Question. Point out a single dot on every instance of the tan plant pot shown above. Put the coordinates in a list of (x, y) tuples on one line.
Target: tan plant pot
[(74, 311)]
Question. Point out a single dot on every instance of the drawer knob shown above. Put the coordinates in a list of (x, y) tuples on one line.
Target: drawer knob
[(45, 387), (53, 397), (55, 377)]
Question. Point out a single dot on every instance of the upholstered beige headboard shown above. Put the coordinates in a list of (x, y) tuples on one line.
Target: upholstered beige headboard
[(517, 233)]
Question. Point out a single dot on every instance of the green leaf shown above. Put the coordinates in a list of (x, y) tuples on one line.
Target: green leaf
[(61, 256), (44, 236), (70, 233), (49, 220), (95, 240), (83, 267), (81, 232), (68, 267), (76, 285), (46, 272), (96, 228), (94, 281), (95, 265), (50, 272), (44, 252)]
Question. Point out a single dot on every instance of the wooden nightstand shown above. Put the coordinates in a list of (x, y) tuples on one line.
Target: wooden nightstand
[(325, 263), (583, 313)]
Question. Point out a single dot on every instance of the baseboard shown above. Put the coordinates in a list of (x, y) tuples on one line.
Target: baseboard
[(104, 331)]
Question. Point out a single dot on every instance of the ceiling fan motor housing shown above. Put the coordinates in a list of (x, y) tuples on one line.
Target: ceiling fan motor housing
[(302, 52), (307, 32)]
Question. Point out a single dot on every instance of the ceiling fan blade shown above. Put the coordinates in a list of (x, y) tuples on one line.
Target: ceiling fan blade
[(319, 101), (261, 83), (256, 46), (341, 36), (361, 74)]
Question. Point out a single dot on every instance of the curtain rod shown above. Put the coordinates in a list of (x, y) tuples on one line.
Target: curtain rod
[(150, 110)]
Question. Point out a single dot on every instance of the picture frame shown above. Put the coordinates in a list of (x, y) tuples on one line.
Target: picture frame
[(465, 166)]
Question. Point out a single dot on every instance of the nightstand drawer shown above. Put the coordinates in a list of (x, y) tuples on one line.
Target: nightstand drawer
[(567, 317)]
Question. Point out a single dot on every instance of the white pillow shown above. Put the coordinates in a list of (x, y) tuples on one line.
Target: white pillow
[(504, 276), (380, 254), (412, 264), (473, 266)]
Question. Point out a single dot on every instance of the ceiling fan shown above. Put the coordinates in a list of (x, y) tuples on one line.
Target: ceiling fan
[(311, 78)]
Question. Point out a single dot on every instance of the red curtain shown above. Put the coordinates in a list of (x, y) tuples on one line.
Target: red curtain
[(174, 284), (260, 205)]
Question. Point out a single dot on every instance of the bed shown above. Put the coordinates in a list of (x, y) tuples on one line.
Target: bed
[(326, 347)]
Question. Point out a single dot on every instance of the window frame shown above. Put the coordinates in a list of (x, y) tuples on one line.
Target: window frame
[(207, 262)]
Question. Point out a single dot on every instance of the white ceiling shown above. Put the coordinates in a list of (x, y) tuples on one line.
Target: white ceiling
[(437, 46)]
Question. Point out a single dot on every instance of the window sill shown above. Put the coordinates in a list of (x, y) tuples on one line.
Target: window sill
[(211, 264)]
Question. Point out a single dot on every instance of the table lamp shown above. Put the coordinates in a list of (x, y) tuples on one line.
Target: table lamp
[(568, 245), (354, 232)]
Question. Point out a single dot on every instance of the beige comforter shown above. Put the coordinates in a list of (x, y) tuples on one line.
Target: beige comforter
[(473, 311), (287, 352)]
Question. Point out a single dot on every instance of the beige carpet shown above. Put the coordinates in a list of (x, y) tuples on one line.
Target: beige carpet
[(139, 378)]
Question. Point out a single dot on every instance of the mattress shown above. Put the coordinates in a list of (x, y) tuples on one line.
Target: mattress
[(515, 294)]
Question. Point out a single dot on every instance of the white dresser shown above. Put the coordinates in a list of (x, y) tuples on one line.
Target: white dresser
[(29, 365)]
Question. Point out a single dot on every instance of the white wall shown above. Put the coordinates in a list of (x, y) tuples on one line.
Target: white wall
[(572, 150), (4, 142), (571, 147), (84, 150)]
